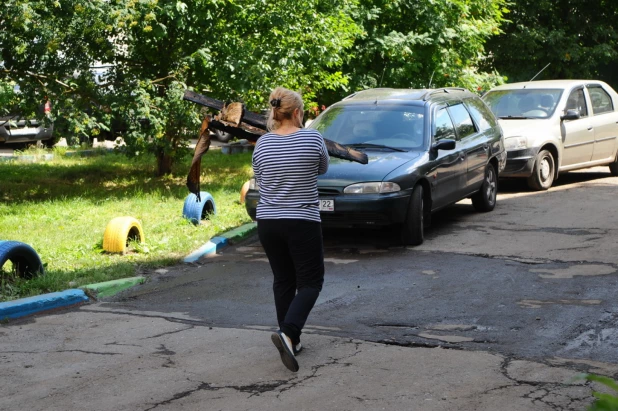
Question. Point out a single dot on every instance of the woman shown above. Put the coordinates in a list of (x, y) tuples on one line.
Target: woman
[(286, 163)]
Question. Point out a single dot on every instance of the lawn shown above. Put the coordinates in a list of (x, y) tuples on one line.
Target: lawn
[(61, 208)]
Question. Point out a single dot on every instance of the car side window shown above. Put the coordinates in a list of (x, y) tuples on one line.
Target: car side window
[(443, 126), (577, 101), (480, 112), (601, 101), (463, 121)]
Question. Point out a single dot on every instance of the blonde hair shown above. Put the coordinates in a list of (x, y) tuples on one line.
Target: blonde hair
[(283, 102)]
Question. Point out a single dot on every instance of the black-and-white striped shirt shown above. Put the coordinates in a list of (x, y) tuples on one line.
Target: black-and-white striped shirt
[(286, 167)]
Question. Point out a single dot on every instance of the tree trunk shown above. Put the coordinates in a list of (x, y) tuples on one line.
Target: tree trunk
[(164, 163)]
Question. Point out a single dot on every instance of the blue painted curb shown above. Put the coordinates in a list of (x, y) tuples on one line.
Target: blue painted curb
[(211, 247), (33, 305)]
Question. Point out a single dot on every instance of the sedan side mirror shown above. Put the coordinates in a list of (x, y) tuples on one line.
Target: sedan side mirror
[(571, 114), (445, 144)]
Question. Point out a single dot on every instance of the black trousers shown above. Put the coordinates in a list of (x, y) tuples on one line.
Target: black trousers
[(296, 255)]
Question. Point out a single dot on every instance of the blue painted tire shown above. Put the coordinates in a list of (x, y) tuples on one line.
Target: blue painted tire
[(26, 261), (196, 211)]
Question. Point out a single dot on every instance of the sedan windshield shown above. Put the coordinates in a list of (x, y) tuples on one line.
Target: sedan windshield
[(523, 103), (373, 127)]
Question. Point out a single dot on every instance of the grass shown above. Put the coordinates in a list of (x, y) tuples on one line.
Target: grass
[(61, 208)]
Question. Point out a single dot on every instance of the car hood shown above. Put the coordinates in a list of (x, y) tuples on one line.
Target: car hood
[(526, 128), (342, 173)]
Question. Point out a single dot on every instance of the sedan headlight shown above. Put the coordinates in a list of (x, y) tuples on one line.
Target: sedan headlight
[(253, 185), (372, 188), (515, 143)]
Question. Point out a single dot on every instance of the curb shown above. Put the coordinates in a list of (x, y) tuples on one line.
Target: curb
[(110, 288), (44, 302), (217, 243)]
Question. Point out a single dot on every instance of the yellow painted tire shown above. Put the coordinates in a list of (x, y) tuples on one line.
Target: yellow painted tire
[(243, 192), (118, 233)]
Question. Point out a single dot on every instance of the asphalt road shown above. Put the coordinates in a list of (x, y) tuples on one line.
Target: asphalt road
[(534, 279), (522, 298)]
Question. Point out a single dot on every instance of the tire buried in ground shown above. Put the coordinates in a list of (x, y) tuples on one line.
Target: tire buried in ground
[(119, 232), (25, 260), (196, 211)]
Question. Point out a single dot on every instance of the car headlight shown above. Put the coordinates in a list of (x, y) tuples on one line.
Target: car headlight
[(515, 143), (253, 185), (372, 188)]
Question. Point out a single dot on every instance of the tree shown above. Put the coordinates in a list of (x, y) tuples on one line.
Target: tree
[(578, 39), (424, 43), (153, 49)]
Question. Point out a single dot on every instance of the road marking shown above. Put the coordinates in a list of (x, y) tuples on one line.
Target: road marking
[(575, 270)]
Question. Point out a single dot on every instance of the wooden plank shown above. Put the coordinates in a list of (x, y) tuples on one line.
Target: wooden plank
[(259, 121), (249, 117)]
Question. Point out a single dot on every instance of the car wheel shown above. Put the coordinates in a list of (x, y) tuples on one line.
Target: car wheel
[(26, 262), (412, 230), (613, 167), (222, 136), (544, 170), (485, 199)]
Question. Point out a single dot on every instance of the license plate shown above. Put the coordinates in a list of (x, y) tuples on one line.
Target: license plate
[(327, 204)]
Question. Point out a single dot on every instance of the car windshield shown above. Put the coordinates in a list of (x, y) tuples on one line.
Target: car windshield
[(373, 127), (523, 103)]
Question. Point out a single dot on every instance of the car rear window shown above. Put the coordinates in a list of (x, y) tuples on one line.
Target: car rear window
[(393, 126)]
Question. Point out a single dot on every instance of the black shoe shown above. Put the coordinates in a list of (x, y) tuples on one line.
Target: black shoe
[(286, 350)]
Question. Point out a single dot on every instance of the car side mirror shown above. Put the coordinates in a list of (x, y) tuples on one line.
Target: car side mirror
[(445, 144), (571, 114)]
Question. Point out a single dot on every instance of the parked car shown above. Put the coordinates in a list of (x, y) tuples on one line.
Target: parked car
[(427, 149), (556, 125)]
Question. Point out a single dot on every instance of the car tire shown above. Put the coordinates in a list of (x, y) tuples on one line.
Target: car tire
[(196, 211), (544, 171), (613, 167), (119, 232), (26, 261), (222, 136), (413, 227), (485, 199)]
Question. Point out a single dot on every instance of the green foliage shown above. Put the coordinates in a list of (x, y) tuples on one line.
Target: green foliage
[(150, 50), (579, 39), (604, 402), (426, 43)]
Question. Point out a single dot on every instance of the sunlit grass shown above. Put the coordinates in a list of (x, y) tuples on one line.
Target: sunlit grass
[(61, 208)]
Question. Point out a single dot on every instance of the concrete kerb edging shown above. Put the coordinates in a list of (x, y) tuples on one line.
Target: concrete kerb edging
[(109, 288), (32, 305), (217, 243)]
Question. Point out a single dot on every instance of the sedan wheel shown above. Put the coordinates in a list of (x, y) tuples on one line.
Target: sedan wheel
[(543, 174), (485, 199), (412, 230), (613, 167)]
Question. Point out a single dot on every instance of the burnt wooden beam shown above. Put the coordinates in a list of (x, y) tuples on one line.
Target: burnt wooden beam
[(249, 117), (259, 121)]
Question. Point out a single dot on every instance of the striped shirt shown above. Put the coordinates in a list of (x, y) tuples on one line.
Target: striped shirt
[(286, 167)]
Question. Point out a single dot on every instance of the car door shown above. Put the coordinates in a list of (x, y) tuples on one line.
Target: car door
[(604, 122), (473, 143), (447, 173), (578, 134)]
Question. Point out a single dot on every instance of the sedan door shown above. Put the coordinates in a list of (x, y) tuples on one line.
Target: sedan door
[(473, 143), (577, 135), (447, 172), (605, 122)]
